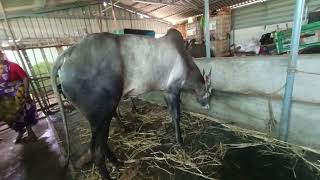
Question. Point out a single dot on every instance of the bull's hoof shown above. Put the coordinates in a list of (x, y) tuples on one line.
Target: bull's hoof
[(108, 178), (166, 145), (105, 175), (31, 137), (17, 141), (179, 142), (178, 145), (84, 160), (126, 129), (118, 163)]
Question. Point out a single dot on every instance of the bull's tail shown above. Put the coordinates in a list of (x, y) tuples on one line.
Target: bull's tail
[(54, 72)]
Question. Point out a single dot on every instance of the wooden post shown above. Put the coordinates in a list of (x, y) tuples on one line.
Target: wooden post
[(45, 60), (99, 18), (43, 88), (33, 74), (45, 27), (115, 23), (90, 20), (25, 25), (56, 24), (85, 23), (38, 23), (59, 49)]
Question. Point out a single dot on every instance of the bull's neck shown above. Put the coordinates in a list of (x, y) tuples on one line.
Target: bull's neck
[(194, 82)]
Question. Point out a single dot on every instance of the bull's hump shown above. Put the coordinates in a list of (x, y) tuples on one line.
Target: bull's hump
[(175, 36), (174, 33)]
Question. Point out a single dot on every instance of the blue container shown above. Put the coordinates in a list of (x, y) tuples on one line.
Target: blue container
[(136, 31)]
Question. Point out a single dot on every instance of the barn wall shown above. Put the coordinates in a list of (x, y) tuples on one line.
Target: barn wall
[(73, 22), (268, 13), (253, 21), (243, 36), (248, 92), (46, 27)]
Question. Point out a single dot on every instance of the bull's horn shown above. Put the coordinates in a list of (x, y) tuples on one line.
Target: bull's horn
[(210, 72), (203, 72)]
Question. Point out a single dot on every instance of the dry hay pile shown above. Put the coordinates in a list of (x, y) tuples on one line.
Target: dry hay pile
[(211, 150)]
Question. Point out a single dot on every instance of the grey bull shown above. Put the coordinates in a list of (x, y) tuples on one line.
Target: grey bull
[(103, 68)]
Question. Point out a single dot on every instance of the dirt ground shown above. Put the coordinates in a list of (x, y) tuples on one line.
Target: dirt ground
[(39, 160), (211, 150)]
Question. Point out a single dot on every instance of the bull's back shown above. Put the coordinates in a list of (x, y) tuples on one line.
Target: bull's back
[(129, 64)]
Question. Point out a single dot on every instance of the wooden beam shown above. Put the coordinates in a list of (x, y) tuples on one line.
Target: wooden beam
[(156, 9), (167, 2), (172, 3), (77, 17), (40, 4), (28, 10), (135, 10)]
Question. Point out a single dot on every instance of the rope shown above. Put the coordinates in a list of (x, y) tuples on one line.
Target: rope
[(271, 124), (291, 70), (305, 72), (271, 94), (272, 120)]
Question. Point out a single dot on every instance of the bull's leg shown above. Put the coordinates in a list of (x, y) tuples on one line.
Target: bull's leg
[(89, 156), (100, 133), (84, 159), (118, 112), (134, 108), (120, 122), (112, 157), (173, 101), (100, 149)]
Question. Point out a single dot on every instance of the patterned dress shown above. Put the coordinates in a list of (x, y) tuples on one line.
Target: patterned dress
[(14, 110)]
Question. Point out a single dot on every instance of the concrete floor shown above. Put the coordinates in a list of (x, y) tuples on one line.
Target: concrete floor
[(39, 160)]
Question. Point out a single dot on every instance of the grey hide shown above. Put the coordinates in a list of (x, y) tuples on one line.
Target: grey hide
[(103, 68)]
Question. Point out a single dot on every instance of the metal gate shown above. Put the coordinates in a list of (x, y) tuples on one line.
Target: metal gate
[(37, 62)]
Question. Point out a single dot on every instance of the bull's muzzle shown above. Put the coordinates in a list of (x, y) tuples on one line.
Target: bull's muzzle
[(206, 107)]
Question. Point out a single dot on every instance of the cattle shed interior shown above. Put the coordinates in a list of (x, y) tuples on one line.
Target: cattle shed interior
[(264, 117)]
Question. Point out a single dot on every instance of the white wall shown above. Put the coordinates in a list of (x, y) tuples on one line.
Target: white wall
[(243, 87), (243, 36)]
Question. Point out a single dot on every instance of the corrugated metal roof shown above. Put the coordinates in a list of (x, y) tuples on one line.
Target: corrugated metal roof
[(180, 10)]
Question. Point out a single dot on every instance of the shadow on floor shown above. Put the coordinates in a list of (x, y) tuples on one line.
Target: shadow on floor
[(38, 160), (41, 163)]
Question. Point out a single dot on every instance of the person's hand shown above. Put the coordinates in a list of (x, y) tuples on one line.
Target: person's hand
[(28, 98), (2, 56)]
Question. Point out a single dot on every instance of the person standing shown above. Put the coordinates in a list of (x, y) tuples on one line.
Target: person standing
[(16, 106)]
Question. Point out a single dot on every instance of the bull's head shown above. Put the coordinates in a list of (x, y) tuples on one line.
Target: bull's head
[(204, 99)]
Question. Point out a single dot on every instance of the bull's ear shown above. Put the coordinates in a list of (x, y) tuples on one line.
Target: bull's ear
[(210, 90)]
